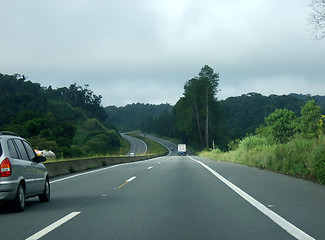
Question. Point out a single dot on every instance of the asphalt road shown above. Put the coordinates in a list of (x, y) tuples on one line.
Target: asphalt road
[(172, 147), (172, 198), (137, 146)]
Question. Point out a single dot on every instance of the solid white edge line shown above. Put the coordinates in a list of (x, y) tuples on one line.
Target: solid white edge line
[(287, 226), (146, 147), (53, 226), (84, 173), (101, 169)]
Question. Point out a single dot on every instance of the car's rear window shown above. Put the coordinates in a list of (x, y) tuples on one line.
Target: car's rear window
[(0, 150)]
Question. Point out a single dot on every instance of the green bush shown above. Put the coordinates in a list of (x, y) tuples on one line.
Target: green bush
[(216, 151), (281, 125), (93, 125), (103, 143), (309, 120), (76, 151), (252, 142), (318, 163)]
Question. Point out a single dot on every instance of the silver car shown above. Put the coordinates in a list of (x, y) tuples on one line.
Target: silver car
[(22, 174)]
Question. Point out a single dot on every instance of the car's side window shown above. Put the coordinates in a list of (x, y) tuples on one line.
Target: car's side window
[(30, 150), (12, 149), (22, 149)]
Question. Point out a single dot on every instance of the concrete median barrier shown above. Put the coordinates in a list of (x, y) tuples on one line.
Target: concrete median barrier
[(65, 167)]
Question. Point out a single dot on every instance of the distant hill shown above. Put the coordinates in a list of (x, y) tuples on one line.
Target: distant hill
[(66, 120), (242, 114), (135, 116), (247, 112), (320, 100)]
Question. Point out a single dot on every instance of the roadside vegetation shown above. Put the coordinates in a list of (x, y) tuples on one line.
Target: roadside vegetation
[(285, 143), (281, 133), (67, 121)]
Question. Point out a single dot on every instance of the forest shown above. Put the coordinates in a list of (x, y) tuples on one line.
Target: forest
[(68, 121), (139, 116), (228, 120), (72, 122), (281, 133)]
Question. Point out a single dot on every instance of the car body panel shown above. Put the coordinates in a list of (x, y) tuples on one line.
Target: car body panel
[(26, 168)]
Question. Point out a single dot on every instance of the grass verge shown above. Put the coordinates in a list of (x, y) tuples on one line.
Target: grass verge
[(153, 147), (303, 158)]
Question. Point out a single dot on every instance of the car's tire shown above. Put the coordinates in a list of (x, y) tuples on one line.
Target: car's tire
[(19, 201), (46, 195)]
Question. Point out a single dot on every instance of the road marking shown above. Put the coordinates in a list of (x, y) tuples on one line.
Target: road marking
[(287, 226), (126, 182), (150, 167), (146, 147), (84, 173), (131, 179), (121, 185), (101, 169), (53, 226)]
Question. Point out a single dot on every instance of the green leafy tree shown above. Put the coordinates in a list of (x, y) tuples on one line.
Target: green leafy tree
[(35, 126), (309, 121), (186, 124), (102, 143), (281, 124), (195, 110), (321, 125)]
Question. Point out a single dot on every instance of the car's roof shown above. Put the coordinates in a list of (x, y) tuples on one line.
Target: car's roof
[(6, 133)]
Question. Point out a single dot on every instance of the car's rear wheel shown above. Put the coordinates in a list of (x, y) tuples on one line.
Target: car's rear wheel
[(45, 196), (19, 201)]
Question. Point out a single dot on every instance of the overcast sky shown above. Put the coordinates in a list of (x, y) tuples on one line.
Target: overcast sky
[(144, 51)]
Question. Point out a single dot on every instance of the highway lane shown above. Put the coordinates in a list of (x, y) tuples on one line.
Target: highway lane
[(172, 147), (137, 146), (170, 198)]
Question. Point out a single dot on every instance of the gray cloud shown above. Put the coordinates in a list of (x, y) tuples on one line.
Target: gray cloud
[(144, 51)]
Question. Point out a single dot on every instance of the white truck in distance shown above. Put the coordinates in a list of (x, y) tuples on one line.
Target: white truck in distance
[(182, 150)]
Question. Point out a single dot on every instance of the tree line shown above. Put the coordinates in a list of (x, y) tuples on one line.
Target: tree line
[(200, 119), (72, 120), (193, 119), (196, 119), (68, 120)]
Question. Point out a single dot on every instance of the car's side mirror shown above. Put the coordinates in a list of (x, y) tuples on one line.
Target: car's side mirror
[(39, 159)]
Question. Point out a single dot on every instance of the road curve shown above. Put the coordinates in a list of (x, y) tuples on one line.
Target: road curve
[(172, 147), (137, 146), (172, 197)]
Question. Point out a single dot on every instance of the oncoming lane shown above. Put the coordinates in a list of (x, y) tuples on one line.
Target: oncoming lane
[(137, 146)]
